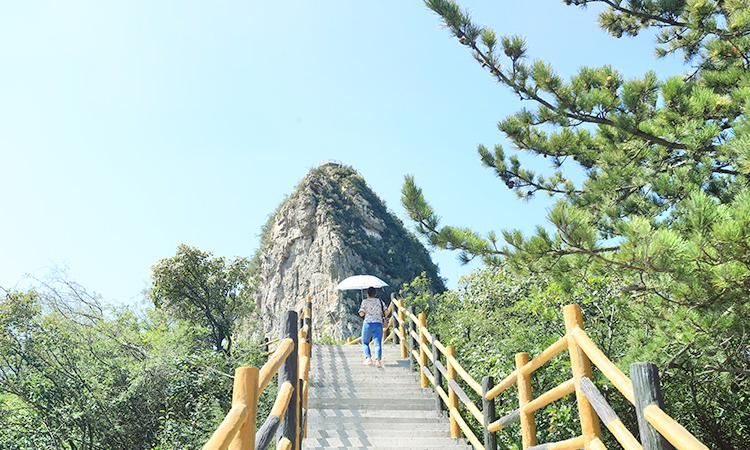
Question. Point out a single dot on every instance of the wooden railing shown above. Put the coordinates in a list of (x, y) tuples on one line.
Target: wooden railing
[(657, 430), (287, 421)]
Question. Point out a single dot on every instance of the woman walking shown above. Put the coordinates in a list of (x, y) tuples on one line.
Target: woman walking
[(372, 310)]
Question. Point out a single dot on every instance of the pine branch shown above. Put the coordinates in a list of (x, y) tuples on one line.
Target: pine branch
[(579, 116)]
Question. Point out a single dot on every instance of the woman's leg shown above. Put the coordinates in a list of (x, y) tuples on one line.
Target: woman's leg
[(378, 338), (366, 338)]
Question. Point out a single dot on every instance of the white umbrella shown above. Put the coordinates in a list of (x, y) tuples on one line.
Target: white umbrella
[(361, 282)]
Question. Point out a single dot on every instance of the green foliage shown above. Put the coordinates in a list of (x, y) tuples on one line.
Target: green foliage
[(75, 374), (663, 202), (494, 314), (193, 285)]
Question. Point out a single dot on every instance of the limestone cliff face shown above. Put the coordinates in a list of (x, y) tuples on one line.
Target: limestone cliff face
[(331, 227)]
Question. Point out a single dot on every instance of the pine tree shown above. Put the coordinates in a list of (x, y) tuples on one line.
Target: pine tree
[(664, 197)]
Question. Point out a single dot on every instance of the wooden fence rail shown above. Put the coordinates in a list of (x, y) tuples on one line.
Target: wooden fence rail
[(287, 421), (657, 430)]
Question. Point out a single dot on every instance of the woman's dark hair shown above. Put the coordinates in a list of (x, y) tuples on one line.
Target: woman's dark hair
[(371, 291)]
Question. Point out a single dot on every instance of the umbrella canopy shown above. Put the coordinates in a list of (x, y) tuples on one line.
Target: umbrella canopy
[(360, 282)]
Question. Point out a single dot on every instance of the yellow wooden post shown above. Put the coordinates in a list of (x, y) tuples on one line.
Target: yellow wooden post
[(452, 397), (581, 367), (245, 391), (402, 328), (528, 425), (423, 381)]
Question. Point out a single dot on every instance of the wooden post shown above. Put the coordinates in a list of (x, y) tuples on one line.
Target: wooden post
[(412, 341), (488, 410), (528, 425), (437, 374), (402, 328), (423, 381), (245, 391), (647, 388), (581, 367), (288, 372), (452, 397)]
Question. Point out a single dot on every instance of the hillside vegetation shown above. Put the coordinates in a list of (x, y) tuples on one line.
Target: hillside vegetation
[(651, 178)]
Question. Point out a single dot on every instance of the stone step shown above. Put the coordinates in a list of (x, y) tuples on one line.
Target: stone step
[(393, 414), (410, 446), (378, 432), (351, 420), (385, 384), (368, 389), (354, 383), (359, 356), (353, 406), (382, 441), (368, 400), (374, 395), (372, 426), (372, 404), (358, 362), (388, 367)]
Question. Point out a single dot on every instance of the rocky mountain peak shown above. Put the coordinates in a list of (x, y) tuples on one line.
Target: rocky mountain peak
[(331, 227)]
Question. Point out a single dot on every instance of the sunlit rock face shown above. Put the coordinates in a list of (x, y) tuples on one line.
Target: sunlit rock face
[(331, 227)]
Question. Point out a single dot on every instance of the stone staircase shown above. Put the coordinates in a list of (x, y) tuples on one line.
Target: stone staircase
[(352, 406)]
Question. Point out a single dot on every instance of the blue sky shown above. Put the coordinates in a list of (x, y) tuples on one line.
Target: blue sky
[(127, 128)]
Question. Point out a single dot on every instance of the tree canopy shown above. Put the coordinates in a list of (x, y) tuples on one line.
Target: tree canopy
[(194, 285), (650, 175)]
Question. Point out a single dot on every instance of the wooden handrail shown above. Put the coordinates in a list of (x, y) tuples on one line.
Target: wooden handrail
[(281, 404), (513, 417), (502, 386), (550, 352), (553, 350), (568, 444), (237, 430), (466, 400), (427, 350), (471, 382), (675, 433), (609, 417), (597, 444), (278, 357), (228, 428), (443, 349), (608, 369), (466, 429), (291, 360), (426, 333), (282, 400), (550, 396), (583, 353)]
